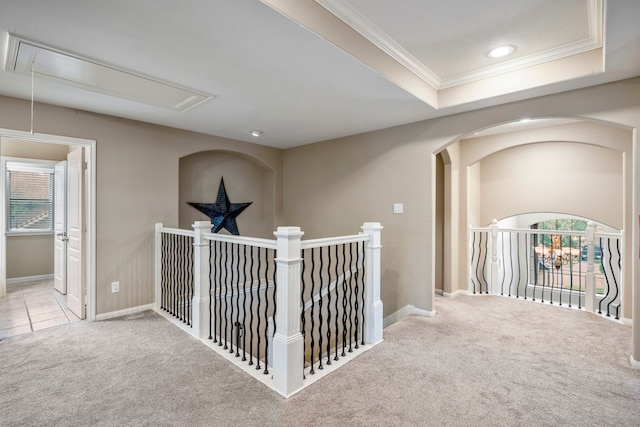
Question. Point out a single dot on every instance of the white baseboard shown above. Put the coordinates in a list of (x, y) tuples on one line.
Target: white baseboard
[(634, 363), (456, 293), (404, 312), (30, 278), (626, 321), (124, 312)]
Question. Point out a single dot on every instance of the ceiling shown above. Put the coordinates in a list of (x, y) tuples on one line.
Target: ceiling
[(303, 71)]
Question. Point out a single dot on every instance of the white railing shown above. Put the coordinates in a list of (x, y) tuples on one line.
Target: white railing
[(574, 268), (282, 274)]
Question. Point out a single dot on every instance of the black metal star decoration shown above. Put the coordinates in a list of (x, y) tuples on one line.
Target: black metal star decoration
[(223, 213)]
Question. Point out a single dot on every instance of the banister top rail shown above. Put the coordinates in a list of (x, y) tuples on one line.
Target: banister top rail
[(250, 241), (330, 241), (552, 232), (178, 231)]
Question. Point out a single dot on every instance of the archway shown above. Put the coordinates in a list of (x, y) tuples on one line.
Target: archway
[(493, 190)]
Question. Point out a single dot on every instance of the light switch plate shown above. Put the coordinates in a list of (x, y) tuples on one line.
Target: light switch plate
[(398, 208)]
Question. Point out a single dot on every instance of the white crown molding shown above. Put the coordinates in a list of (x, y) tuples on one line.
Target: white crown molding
[(352, 17)]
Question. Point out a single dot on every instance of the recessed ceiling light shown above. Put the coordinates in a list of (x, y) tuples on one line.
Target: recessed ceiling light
[(501, 52), (525, 120), (256, 133)]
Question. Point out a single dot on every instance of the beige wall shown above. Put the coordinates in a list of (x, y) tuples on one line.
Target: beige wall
[(137, 186), (331, 188), (245, 180), (562, 177), (30, 255)]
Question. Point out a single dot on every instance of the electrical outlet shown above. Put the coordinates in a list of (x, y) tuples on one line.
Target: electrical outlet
[(115, 287)]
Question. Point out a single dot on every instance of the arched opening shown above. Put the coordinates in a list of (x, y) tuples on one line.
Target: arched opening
[(576, 167)]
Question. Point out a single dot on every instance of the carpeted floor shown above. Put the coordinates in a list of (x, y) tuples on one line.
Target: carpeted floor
[(482, 361)]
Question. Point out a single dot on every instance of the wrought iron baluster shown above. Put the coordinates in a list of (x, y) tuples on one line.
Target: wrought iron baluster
[(163, 276), (351, 299), (504, 266), (302, 311), (219, 267), (235, 294), (546, 278), (259, 316), (191, 280), (225, 272), (266, 312), (613, 277), (356, 321), (212, 310), (244, 303), (483, 277), (364, 255), (473, 254), (570, 270), (329, 305), (518, 265), (275, 289), (313, 281), (251, 310), (185, 277), (344, 299), (619, 270), (175, 277), (561, 271), (580, 293), (320, 271), (337, 298)]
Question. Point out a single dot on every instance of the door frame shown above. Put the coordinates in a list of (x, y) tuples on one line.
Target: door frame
[(90, 254)]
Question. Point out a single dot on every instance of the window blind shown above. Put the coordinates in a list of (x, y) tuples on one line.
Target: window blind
[(30, 197)]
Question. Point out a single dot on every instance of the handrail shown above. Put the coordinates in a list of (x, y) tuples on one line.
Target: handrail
[(551, 232), (251, 241), (178, 231), (331, 241)]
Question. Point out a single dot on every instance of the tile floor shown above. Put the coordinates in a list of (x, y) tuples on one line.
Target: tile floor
[(31, 306)]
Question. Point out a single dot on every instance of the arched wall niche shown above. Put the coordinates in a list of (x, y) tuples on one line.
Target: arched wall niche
[(246, 179)]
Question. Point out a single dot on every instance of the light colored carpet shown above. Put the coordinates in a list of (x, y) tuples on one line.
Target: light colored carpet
[(482, 361)]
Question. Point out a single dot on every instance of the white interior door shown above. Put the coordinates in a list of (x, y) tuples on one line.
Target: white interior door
[(60, 228), (76, 290)]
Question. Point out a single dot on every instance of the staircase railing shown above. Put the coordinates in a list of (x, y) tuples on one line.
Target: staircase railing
[(174, 255), (278, 307), (572, 268)]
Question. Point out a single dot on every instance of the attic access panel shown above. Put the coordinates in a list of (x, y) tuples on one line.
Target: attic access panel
[(47, 63)]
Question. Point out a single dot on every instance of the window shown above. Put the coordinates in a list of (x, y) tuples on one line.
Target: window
[(29, 197)]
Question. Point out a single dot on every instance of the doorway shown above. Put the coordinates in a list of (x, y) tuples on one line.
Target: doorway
[(85, 268)]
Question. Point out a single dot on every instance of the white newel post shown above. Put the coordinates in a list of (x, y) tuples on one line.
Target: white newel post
[(372, 303), (200, 301), (494, 257), (158, 266), (288, 343), (590, 290)]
